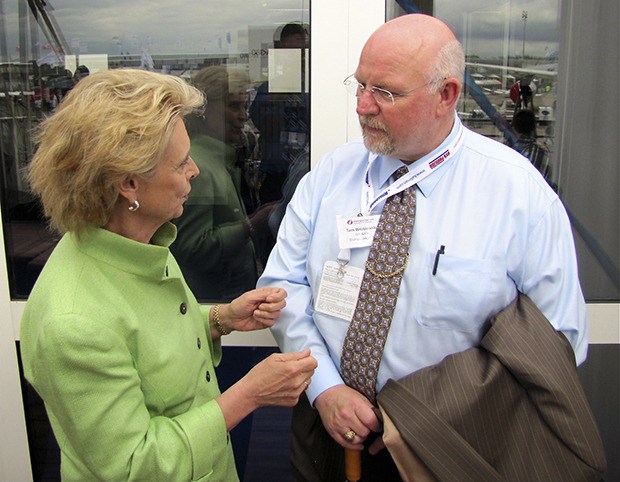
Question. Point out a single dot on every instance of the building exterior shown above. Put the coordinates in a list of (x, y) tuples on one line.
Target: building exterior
[(577, 112)]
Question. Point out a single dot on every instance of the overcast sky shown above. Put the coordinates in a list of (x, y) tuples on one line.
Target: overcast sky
[(174, 26), (488, 22), (214, 26)]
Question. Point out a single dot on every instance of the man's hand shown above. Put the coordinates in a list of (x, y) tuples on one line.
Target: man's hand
[(343, 409)]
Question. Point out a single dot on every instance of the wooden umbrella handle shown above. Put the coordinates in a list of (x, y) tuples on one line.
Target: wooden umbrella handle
[(353, 464)]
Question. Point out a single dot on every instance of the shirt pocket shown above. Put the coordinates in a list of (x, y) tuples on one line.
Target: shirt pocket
[(458, 296)]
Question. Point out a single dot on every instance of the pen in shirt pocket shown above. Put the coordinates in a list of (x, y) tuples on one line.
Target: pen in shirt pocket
[(440, 251)]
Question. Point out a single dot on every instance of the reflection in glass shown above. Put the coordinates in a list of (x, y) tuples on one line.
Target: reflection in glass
[(509, 67), (217, 241), (281, 110), (46, 47), (513, 53)]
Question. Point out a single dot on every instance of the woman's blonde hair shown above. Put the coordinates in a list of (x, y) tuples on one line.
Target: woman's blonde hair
[(114, 123)]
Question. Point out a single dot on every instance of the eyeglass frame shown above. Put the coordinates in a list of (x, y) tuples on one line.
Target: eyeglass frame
[(361, 88)]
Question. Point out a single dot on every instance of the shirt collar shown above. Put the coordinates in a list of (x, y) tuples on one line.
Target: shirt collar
[(386, 166), (383, 169), (427, 184)]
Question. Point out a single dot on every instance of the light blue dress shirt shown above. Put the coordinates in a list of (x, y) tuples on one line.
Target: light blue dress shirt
[(503, 228)]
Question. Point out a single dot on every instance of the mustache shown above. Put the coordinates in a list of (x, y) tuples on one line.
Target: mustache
[(371, 122)]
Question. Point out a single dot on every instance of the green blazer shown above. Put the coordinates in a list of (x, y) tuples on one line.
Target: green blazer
[(120, 351)]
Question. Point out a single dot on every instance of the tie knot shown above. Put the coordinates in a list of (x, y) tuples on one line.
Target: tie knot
[(400, 172)]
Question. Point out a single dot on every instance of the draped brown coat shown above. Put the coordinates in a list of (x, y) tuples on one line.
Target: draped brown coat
[(511, 409)]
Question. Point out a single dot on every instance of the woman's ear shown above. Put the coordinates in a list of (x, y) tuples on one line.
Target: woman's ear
[(128, 188)]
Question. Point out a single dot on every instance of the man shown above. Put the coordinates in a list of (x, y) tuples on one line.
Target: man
[(487, 226), (524, 126), (282, 117)]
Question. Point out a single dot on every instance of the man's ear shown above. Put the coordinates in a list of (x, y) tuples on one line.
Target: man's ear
[(450, 92)]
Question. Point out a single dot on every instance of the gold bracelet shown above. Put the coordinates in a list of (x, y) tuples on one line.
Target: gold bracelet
[(216, 321)]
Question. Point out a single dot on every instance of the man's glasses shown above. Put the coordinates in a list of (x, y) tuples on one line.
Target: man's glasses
[(381, 96)]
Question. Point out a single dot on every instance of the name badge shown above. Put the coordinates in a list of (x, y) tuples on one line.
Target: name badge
[(356, 232), (339, 289)]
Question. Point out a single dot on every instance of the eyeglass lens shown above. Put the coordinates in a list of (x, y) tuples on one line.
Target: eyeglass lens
[(357, 89)]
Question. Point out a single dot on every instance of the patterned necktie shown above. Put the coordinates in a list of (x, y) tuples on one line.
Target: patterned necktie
[(387, 260)]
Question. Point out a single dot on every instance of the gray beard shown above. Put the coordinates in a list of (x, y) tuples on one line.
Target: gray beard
[(382, 147)]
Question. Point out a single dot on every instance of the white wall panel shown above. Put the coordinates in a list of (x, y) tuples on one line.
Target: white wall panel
[(339, 30), (14, 455)]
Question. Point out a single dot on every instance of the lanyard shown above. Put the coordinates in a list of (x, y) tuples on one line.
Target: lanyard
[(414, 176)]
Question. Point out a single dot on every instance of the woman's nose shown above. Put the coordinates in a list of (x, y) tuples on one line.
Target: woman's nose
[(193, 169)]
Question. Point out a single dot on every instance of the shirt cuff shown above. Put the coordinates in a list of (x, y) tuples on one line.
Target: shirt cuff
[(325, 377)]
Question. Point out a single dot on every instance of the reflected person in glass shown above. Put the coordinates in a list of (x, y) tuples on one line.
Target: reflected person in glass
[(282, 112), (217, 243), (524, 127), (112, 338)]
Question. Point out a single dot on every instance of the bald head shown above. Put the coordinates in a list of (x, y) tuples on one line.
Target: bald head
[(418, 43), (418, 27)]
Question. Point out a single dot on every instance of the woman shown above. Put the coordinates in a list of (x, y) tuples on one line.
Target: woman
[(217, 242), (112, 338)]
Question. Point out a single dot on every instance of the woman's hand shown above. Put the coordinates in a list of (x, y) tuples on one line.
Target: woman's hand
[(254, 310), (278, 380)]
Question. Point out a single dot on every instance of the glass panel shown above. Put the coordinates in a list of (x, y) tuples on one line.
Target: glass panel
[(512, 51), (250, 57), (506, 71)]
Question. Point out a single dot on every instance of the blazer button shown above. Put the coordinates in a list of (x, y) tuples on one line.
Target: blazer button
[(208, 377), (183, 308), (198, 343)]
